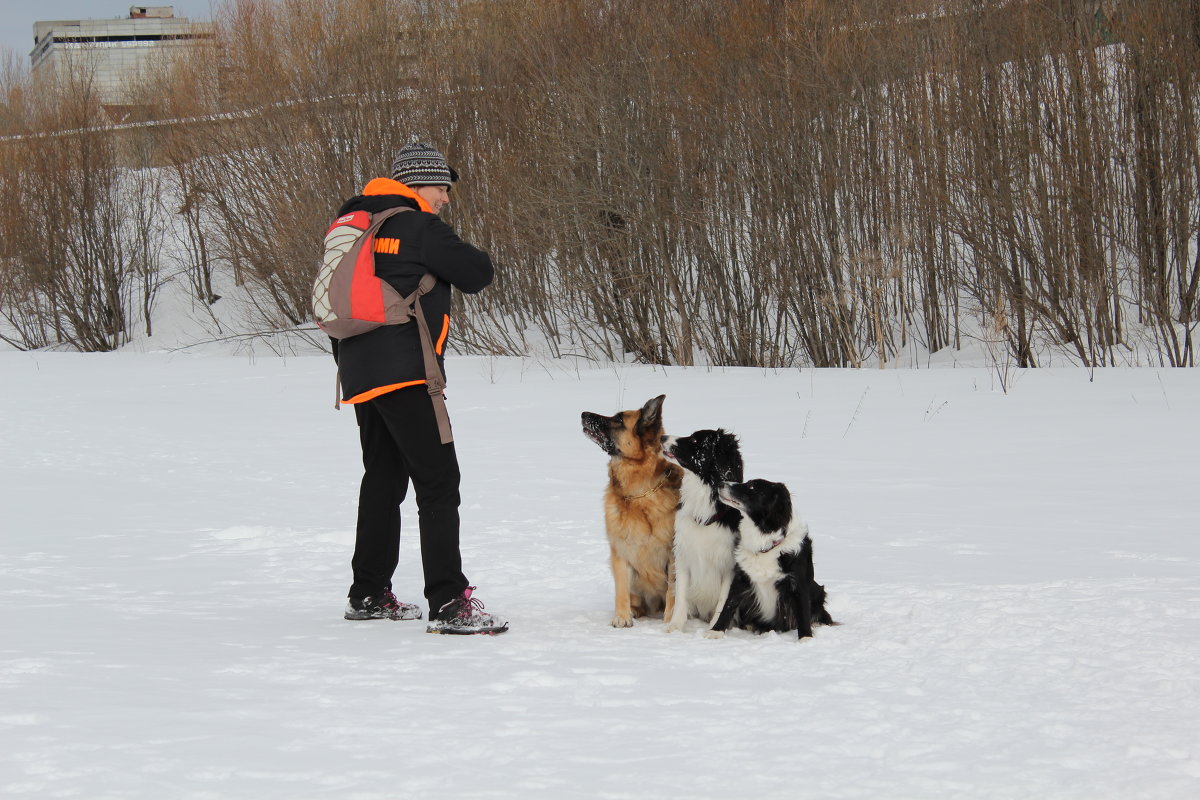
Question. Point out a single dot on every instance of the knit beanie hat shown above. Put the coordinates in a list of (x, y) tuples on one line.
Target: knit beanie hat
[(418, 164)]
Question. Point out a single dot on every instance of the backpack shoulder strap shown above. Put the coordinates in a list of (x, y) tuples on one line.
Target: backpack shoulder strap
[(368, 236), (435, 384), (380, 217)]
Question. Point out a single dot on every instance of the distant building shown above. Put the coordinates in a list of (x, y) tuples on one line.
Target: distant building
[(112, 51)]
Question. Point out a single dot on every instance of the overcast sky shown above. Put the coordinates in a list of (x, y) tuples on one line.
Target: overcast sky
[(17, 16)]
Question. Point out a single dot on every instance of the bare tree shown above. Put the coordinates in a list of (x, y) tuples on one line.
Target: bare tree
[(758, 183)]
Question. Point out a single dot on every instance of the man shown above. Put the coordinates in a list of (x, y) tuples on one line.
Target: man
[(383, 377)]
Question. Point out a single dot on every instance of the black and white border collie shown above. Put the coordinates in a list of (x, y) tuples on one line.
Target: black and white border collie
[(704, 526), (773, 588)]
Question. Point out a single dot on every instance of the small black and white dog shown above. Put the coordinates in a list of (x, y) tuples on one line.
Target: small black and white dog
[(704, 526), (773, 588)]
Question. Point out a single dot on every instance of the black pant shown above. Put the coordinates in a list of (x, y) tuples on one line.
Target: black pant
[(400, 442)]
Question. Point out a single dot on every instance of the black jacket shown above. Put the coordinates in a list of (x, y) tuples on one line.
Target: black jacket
[(407, 246)]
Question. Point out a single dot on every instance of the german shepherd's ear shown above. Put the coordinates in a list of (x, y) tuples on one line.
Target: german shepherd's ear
[(650, 417)]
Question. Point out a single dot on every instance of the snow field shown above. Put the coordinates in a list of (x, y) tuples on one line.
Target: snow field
[(1016, 574)]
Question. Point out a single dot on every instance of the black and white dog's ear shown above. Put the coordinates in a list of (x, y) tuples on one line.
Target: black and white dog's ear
[(777, 513), (651, 415), (727, 456)]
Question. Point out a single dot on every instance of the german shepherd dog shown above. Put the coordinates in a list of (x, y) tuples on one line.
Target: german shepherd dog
[(774, 588), (639, 509), (705, 527)]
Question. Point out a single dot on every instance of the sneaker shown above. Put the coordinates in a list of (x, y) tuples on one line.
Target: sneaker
[(385, 606), (465, 615)]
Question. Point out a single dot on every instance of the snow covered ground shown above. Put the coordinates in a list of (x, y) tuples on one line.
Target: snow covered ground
[(1016, 574)]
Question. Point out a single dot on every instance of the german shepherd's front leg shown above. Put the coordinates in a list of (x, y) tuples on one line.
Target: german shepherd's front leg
[(622, 581), (669, 601)]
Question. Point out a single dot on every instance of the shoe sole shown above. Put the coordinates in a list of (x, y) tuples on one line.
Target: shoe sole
[(475, 632), (368, 617)]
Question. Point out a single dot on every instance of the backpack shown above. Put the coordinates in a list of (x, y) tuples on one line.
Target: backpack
[(349, 299)]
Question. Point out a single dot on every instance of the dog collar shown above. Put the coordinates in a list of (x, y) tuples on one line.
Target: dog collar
[(774, 544), (647, 494), (721, 514)]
